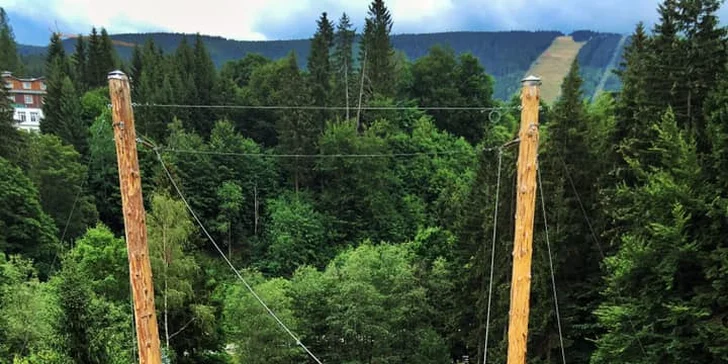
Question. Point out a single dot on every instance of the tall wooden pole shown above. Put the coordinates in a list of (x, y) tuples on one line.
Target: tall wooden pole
[(525, 205), (140, 269)]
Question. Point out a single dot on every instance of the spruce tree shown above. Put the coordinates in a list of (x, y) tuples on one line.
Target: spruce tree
[(80, 60), (570, 170), (319, 66), (205, 81), (94, 51), (377, 51), (56, 56), (9, 60), (10, 138), (634, 110), (705, 57), (343, 64), (62, 112)]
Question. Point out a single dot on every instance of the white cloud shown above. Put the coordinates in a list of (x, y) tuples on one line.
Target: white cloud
[(264, 19)]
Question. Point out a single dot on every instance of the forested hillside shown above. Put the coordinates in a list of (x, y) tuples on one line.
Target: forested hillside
[(370, 231), (505, 55)]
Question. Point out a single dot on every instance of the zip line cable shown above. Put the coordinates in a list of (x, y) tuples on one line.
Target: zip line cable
[(492, 254), (310, 107), (551, 263), (237, 273), (596, 240), (264, 155)]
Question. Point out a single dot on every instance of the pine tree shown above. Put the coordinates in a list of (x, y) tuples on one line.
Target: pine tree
[(634, 111), (9, 60), (570, 169), (101, 57), (343, 64), (705, 56), (80, 60), (661, 301), (10, 138), (56, 56), (297, 132), (62, 111), (319, 66), (94, 56), (205, 81), (377, 51), (137, 65)]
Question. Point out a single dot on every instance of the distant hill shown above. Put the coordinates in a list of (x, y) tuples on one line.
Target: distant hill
[(505, 55)]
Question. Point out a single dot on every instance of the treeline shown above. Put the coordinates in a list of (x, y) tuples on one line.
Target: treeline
[(505, 55), (369, 231)]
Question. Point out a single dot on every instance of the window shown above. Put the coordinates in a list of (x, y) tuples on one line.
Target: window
[(23, 117), (26, 85), (9, 85), (42, 86), (29, 99), (34, 117)]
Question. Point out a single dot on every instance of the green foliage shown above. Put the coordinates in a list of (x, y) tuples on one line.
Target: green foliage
[(93, 329), (9, 59), (27, 310), (297, 235), (253, 335), (441, 79), (57, 172), (62, 111), (25, 228), (102, 258)]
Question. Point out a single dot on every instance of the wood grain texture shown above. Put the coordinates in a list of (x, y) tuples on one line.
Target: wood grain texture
[(523, 239), (140, 269)]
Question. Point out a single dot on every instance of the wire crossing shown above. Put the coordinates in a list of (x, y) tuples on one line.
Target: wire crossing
[(551, 264), (237, 273), (492, 254)]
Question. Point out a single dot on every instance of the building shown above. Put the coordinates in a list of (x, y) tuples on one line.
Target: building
[(27, 97)]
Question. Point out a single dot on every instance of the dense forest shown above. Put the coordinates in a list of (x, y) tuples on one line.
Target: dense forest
[(505, 55), (369, 230)]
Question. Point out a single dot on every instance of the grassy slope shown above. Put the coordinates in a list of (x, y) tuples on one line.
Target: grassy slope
[(553, 65)]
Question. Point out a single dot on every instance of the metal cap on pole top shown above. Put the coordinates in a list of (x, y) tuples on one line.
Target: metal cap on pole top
[(531, 80), (116, 75)]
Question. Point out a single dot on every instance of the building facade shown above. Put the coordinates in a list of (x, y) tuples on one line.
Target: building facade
[(27, 97)]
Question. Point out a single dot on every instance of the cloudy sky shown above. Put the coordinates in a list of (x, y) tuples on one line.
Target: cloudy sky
[(33, 20)]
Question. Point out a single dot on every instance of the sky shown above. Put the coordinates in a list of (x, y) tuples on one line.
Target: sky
[(33, 20)]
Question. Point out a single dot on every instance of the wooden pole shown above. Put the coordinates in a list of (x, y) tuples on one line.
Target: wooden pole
[(523, 238), (140, 269)]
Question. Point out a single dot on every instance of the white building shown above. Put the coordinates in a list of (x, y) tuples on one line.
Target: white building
[(27, 118), (27, 97)]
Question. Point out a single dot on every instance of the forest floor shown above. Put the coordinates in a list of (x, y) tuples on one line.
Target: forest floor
[(553, 65)]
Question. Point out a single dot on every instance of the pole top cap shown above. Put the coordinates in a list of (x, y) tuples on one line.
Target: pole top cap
[(531, 80), (116, 75)]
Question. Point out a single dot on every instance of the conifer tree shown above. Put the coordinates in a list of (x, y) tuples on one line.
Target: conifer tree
[(10, 138), (634, 112), (343, 63), (62, 111), (9, 60), (296, 130), (80, 60), (319, 65), (376, 49), (94, 56), (705, 56), (204, 77), (56, 56), (570, 170)]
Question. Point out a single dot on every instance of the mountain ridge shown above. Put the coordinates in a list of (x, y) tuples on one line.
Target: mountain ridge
[(506, 55)]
